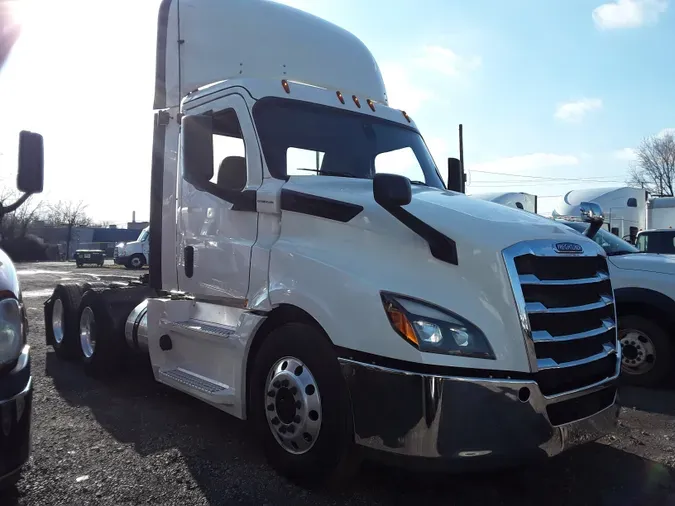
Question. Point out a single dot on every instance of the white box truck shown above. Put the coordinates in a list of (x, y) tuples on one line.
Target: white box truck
[(343, 309)]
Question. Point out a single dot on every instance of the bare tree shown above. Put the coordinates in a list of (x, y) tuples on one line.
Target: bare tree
[(32, 211), (15, 218), (71, 215), (654, 168)]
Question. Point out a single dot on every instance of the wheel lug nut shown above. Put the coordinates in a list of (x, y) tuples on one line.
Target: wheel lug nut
[(296, 419), (290, 429), (271, 393), (276, 384), (270, 407), (284, 383), (275, 421), (294, 390), (282, 429), (298, 404)]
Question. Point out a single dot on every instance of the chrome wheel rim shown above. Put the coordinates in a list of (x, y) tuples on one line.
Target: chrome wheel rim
[(136, 262), (293, 405), (87, 339), (57, 321), (638, 353)]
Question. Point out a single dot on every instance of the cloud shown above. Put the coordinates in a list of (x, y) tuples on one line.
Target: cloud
[(625, 154), (401, 92), (574, 112), (628, 13), (526, 163), (445, 61)]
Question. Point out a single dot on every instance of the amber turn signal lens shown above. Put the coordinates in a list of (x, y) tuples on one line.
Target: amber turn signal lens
[(401, 323), (286, 86)]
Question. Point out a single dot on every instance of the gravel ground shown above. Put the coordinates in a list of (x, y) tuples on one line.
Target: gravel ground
[(131, 441)]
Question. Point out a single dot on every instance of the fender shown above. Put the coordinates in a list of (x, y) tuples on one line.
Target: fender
[(645, 296)]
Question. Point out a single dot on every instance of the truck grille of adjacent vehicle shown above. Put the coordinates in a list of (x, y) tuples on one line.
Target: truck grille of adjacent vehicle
[(566, 308)]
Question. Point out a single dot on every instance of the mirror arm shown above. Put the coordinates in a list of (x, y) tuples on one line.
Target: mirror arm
[(13, 207), (592, 229)]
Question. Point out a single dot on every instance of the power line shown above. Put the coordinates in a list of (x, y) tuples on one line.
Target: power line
[(548, 178)]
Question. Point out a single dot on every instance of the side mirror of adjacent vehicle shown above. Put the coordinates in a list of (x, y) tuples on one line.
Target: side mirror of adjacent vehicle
[(592, 214), (392, 190), (456, 176), (30, 177)]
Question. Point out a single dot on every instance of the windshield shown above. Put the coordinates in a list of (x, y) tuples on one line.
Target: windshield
[(304, 139), (612, 244), (144, 235)]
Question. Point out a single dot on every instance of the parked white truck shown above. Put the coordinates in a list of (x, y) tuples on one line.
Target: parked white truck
[(341, 308), (134, 254)]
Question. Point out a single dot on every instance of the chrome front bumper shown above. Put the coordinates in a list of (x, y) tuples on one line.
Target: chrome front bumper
[(472, 421)]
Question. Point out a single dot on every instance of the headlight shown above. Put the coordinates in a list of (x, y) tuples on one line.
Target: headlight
[(11, 330), (433, 329)]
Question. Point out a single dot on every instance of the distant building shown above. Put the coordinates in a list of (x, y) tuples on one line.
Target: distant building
[(136, 225), (83, 238)]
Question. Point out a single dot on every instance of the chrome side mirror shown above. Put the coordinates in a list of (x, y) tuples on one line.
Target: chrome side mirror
[(592, 214)]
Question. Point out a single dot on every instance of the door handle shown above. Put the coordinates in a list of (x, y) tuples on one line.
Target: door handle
[(189, 261)]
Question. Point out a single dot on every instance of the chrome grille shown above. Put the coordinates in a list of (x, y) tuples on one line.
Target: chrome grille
[(566, 308)]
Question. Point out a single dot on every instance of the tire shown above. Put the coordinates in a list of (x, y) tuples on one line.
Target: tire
[(79, 265), (11, 480), (641, 338), (136, 261), (331, 458), (100, 344), (64, 302)]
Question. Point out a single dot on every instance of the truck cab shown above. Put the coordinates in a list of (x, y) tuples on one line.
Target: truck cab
[(134, 254), (313, 275), (656, 241), (16, 382)]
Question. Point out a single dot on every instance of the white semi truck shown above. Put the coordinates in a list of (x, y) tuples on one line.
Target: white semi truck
[(343, 310), (134, 254)]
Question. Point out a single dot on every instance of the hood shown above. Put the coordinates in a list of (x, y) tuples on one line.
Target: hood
[(650, 262), (9, 281), (477, 226)]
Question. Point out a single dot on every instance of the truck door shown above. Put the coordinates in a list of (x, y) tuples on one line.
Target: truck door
[(215, 238)]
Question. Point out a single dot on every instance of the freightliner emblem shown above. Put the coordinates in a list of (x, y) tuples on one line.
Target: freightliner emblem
[(568, 247)]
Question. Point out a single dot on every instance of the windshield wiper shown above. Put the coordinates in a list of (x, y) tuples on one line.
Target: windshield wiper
[(330, 173), (617, 253), (421, 183)]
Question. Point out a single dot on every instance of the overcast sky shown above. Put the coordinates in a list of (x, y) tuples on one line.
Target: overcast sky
[(553, 95)]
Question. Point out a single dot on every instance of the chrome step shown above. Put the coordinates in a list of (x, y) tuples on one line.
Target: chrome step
[(199, 328), (198, 385)]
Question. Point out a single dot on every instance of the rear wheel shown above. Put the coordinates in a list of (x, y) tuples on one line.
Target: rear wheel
[(300, 407), (101, 346), (647, 352), (61, 320)]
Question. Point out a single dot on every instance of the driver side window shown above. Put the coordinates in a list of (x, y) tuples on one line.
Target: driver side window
[(229, 153)]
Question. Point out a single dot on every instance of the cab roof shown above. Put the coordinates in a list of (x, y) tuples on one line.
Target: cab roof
[(204, 41)]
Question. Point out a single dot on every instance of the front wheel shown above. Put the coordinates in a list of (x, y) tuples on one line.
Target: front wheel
[(300, 407), (647, 352), (136, 262)]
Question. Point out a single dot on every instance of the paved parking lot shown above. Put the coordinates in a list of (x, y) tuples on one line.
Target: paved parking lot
[(131, 441)]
